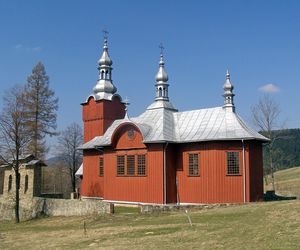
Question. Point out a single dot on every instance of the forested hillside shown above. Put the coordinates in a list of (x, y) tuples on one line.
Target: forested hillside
[(286, 149)]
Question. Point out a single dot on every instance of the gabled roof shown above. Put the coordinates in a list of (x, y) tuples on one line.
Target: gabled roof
[(167, 125), (26, 160)]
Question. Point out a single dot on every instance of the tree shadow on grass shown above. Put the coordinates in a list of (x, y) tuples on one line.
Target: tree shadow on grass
[(272, 196)]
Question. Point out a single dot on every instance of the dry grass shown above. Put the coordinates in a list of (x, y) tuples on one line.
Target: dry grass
[(273, 225), (287, 182), (266, 225)]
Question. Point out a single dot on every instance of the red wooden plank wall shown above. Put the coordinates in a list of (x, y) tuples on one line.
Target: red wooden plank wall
[(147, 189), (98, 116), (92, 184), (256, 171), (213, 185)]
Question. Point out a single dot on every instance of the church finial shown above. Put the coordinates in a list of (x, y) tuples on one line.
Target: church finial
[(105, 59), (228, 92), (161, 48), (161, 86), (227, 74), (104, 88), (161, 60), (161, 79), (105, 35)]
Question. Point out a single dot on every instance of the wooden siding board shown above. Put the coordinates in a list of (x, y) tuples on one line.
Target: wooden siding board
[(171, 173), (97, 116), (213, 185), (146, 189), (92, 183), (256, 172)]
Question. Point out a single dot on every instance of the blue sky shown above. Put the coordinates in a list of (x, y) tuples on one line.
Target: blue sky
[(258, 40)]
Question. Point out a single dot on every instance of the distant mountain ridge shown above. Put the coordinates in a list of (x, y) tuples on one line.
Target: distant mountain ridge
[(53, 161)]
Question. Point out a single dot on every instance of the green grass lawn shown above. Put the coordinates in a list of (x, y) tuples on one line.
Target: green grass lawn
[(266, 225), (287, 182)]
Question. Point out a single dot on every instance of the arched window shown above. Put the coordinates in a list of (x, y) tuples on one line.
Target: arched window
[(159, 92), (106, 74), (26, 184), (102, 74), (9, 182)]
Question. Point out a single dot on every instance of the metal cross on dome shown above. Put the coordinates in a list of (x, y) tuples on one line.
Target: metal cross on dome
[(161, 48), (105, 33)]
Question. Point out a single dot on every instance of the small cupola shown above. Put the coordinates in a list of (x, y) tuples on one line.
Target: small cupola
[(161, 87), (104, 88), (161, 80), (105, 59), (228, 93)]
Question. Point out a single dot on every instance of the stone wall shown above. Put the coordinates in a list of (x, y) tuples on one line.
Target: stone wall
[(25, 192), (1, 180), (52, 207), (148, 209)]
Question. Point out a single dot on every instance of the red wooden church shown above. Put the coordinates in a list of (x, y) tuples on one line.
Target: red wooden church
[(166, 156)]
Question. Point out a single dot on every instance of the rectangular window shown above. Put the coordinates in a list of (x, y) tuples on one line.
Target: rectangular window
[(130, 164), (193, 164), (141, 168), (120, 165), (233, 163), (101, 169)]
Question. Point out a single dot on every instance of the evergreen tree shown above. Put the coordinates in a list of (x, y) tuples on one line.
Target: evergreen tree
[(41, 105)]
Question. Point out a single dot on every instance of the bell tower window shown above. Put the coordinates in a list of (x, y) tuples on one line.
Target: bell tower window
[(159, 92)]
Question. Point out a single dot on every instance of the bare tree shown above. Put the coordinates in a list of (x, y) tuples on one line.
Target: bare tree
[(68, 142), (265, 115), (14, 134), (41, 105)]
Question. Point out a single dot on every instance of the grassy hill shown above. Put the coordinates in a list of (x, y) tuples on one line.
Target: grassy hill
[(266, 225), (287, 182), (262, 225)]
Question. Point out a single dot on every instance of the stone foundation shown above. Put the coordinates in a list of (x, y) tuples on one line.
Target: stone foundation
[(145, 209)]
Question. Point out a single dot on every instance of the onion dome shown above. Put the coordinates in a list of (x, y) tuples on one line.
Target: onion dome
[(104, 88), (161, 87), (228, 94), (161, 75), (105, 59), (161, 80)]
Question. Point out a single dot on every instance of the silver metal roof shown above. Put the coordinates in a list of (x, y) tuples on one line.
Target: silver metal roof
[(104, 88), (79, 171), (30, 163), (167, 125)]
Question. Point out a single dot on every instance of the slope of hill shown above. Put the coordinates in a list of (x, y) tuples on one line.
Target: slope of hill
[(286, 149), (287, 182), (55, 160), (261, 225)]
